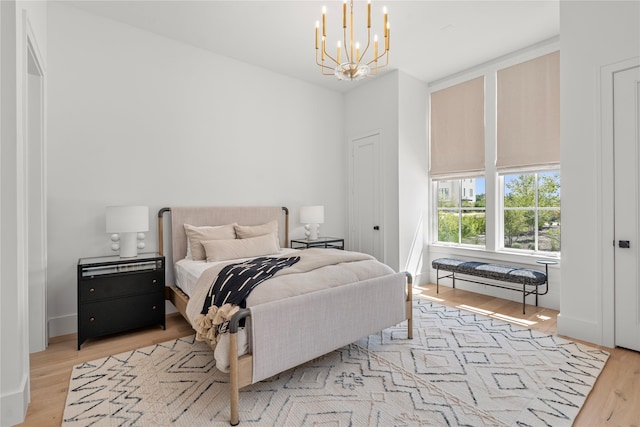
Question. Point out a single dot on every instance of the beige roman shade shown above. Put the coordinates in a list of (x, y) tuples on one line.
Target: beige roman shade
[(457, 129), (528, 113)]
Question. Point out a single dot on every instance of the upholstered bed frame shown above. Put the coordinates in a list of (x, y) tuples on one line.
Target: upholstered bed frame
[(297, 329)]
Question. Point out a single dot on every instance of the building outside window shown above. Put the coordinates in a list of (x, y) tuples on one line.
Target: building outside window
[(462, 211)]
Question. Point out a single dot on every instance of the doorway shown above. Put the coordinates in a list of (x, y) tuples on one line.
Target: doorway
[(365, 197), (626, 140)]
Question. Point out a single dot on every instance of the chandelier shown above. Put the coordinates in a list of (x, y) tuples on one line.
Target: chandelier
[(355, 67)]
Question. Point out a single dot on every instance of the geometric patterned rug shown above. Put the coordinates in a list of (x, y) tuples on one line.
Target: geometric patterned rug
[(460, 369)]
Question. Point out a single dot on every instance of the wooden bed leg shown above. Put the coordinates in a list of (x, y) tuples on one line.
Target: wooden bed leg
[(234, 389), (409, 306)]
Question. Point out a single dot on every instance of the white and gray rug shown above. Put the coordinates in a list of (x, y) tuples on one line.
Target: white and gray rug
[(461, 369)]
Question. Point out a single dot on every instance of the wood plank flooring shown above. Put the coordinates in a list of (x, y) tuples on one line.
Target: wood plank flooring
[(614, 401)]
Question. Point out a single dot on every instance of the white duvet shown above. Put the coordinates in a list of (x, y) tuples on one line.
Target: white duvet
[(317, 269)]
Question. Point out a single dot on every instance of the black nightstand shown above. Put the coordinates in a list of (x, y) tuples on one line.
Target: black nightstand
[(320, 242), (118, 294)]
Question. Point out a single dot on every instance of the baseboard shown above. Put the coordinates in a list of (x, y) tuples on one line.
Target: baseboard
[(579, 329), (13, 406), (63, 325)]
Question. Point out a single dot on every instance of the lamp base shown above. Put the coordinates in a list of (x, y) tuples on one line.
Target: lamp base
[(311, 231), (128, 245)]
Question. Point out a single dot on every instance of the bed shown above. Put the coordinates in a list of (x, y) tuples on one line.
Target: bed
[(285, 322)]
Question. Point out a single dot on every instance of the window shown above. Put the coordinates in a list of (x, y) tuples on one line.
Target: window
[(496, 136), (462, 211), (531, 211)]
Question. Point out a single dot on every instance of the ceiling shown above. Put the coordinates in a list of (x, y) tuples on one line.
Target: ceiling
[(429, 39)]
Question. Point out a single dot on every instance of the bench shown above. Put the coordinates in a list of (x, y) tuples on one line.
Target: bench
[(531, 280)]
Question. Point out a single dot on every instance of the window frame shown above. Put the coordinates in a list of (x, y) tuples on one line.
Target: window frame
[(460, 209), (535, 208)]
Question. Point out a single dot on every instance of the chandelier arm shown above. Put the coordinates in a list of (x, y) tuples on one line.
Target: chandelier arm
[(321, 64), (364, 51), (346, 46), (327, 55), (376, 59)]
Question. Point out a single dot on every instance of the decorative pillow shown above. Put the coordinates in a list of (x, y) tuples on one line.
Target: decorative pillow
[(248, 231), (195, 235), (222, 250)]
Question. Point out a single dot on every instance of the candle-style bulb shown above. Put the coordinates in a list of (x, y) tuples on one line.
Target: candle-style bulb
[(386, 24), (344, 14), (324, 21), (375, 47)]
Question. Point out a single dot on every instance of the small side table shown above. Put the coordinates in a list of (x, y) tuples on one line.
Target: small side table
[(320, 242), (119, 294)]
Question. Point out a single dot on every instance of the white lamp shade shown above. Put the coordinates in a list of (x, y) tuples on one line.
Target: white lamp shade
[(312, 215), (127, 219)]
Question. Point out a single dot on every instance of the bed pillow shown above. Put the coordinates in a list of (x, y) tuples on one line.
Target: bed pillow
[(248, 231), (223, 250), (196, 234)]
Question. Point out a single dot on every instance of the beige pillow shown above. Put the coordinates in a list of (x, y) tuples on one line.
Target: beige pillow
[(222, 250), (248, 231), (195, 235)]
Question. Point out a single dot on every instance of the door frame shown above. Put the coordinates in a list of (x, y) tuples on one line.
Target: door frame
[(38, 316), (607, 187), (350, 196)]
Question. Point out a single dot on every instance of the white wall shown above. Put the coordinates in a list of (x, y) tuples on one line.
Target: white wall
[(395, 104), (17, 18), (593, 34), (370, 107), (413, 184), (135, 118)]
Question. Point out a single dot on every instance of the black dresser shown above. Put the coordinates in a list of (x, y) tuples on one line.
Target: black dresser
[(119, 294)]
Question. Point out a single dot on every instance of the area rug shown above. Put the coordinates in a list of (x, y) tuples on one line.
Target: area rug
[(461, 369)]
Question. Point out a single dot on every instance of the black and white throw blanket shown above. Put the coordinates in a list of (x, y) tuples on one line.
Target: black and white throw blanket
[(231, 288)]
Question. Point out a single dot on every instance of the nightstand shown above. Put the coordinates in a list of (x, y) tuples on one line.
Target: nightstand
[(119, 294), (320, 242)]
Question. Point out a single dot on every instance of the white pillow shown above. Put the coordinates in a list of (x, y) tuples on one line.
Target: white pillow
[(196, 234), (223, 250), (248, 231)]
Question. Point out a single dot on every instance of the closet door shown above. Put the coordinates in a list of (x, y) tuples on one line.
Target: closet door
[(365, 197), (626, 122)]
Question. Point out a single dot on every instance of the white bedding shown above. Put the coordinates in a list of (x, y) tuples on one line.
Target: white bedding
[(317, 271), (187, 271)]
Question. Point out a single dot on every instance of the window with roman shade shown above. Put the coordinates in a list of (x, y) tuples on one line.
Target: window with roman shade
[(457, 129), (528, 114)]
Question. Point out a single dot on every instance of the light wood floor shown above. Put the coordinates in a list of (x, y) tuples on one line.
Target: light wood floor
[(614, 401)]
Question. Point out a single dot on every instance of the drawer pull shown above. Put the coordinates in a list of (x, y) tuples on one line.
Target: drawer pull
[(154, 307), (92, 319), (91, 290), (155, 281)]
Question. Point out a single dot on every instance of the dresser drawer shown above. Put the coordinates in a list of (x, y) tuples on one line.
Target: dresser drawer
[(116, 315), (114, 286)]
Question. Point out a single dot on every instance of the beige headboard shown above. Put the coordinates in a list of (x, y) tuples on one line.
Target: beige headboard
[(217, 215)]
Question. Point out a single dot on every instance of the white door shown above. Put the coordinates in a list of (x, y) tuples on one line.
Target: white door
[(366, 214), (626, 123)]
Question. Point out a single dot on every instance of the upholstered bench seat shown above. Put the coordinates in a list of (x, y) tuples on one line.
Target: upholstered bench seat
[(526, 277)]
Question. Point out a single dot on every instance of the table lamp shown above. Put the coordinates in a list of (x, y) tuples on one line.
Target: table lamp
[(127, 225), (312, 217)]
